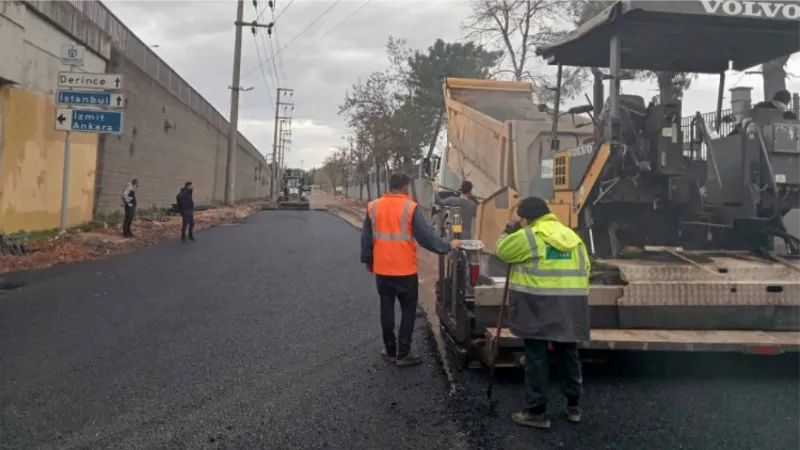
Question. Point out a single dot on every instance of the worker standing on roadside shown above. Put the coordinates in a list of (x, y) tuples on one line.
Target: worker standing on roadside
[(468, 204), (392, 225), (129, 203), (185, 204), (548, 303)]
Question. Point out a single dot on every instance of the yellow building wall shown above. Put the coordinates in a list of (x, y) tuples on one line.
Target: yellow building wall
[(32, 164)]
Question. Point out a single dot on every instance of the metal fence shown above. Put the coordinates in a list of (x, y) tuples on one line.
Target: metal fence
[(725, 128), (72, 14), (697, 150)]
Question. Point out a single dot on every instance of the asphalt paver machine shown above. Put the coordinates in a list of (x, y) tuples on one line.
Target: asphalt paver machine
[(683, 233), (293, 190)]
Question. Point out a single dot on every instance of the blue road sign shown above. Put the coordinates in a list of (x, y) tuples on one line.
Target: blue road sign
[(90, 98), (89, 120)]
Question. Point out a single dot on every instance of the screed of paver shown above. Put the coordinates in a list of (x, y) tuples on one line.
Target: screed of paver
[(264, 335)]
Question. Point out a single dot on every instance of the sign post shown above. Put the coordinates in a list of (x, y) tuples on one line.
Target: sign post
[(84, 91), (73, 57)]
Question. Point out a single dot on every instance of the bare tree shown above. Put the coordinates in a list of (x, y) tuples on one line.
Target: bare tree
[(360, 157), (342, 158), (517, 27), (330, 168)]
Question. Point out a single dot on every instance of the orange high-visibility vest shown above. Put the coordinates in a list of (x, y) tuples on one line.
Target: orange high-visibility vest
[(394, 249)]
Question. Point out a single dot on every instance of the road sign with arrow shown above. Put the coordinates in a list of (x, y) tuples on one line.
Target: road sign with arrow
[(102, 81), (89, 120), (90, 98)]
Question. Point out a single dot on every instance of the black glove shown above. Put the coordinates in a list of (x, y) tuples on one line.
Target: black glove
[(512, 226)]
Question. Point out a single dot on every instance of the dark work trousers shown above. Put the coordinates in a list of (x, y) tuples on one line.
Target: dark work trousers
[(537, 371), (130, 211), (406, 290), (187, 222)]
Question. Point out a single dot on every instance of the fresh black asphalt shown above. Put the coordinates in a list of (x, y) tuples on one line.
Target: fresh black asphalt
[(265, 336)]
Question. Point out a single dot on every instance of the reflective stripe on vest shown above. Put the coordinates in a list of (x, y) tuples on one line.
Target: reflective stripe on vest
[(536, 271), (551, 292), (532, 278), (405, 224)]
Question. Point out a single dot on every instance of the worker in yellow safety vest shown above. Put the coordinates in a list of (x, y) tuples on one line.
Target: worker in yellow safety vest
[(548, 304)]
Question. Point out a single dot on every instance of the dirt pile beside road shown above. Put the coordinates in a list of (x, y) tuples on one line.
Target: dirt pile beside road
[(100, 239)]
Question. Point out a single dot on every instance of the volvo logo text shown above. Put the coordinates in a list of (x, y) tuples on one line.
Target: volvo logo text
[(753, 9)]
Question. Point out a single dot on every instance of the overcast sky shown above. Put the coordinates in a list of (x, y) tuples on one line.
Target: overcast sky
[(322, 62)]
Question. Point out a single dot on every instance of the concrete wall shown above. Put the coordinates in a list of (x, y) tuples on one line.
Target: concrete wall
[(192, 146), (31, 151), (165, 143)]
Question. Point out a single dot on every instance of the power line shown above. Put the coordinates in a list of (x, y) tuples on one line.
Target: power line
[(263, 75), (739, 80), (259, 15), (298, 35), (334, 27), (268, 43), (281, 64), (274, 76), (282, 11)]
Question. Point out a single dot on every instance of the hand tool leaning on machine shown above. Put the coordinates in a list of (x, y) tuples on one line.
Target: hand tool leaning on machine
[(548, 287)]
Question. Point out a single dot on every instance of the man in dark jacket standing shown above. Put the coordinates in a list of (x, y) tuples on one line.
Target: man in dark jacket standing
[(548, 293), (186, 208), (468, 204), (129, 202)]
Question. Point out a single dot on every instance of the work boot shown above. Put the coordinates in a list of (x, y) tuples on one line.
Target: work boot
[(408, 360), (387, 356), (574, 414), (191, 238), (529, 419)]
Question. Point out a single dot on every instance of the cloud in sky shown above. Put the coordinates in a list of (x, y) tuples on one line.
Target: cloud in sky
[(321, 62)]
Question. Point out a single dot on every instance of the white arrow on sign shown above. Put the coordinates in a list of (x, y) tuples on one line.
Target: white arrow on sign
[(104, 81)]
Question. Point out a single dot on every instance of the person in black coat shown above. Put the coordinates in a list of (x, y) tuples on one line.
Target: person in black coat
[(129, 202), (186, 208)]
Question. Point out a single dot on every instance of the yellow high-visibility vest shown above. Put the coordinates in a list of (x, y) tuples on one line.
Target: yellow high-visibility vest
[(539, 268)]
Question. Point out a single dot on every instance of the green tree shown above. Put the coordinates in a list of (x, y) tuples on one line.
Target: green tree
[(424, 102)]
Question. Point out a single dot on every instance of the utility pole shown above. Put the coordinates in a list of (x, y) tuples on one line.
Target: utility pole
[(233, 131), (286, 144), (279, 119)]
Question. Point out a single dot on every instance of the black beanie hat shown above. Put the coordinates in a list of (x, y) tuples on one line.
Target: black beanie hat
[(783, 96), (532, 208)]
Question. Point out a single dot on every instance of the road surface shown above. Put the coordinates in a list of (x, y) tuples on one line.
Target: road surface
[(262, 335), (265, 335)]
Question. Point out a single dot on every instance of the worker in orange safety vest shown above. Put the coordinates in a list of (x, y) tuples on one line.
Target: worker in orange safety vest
[(392, 225)]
